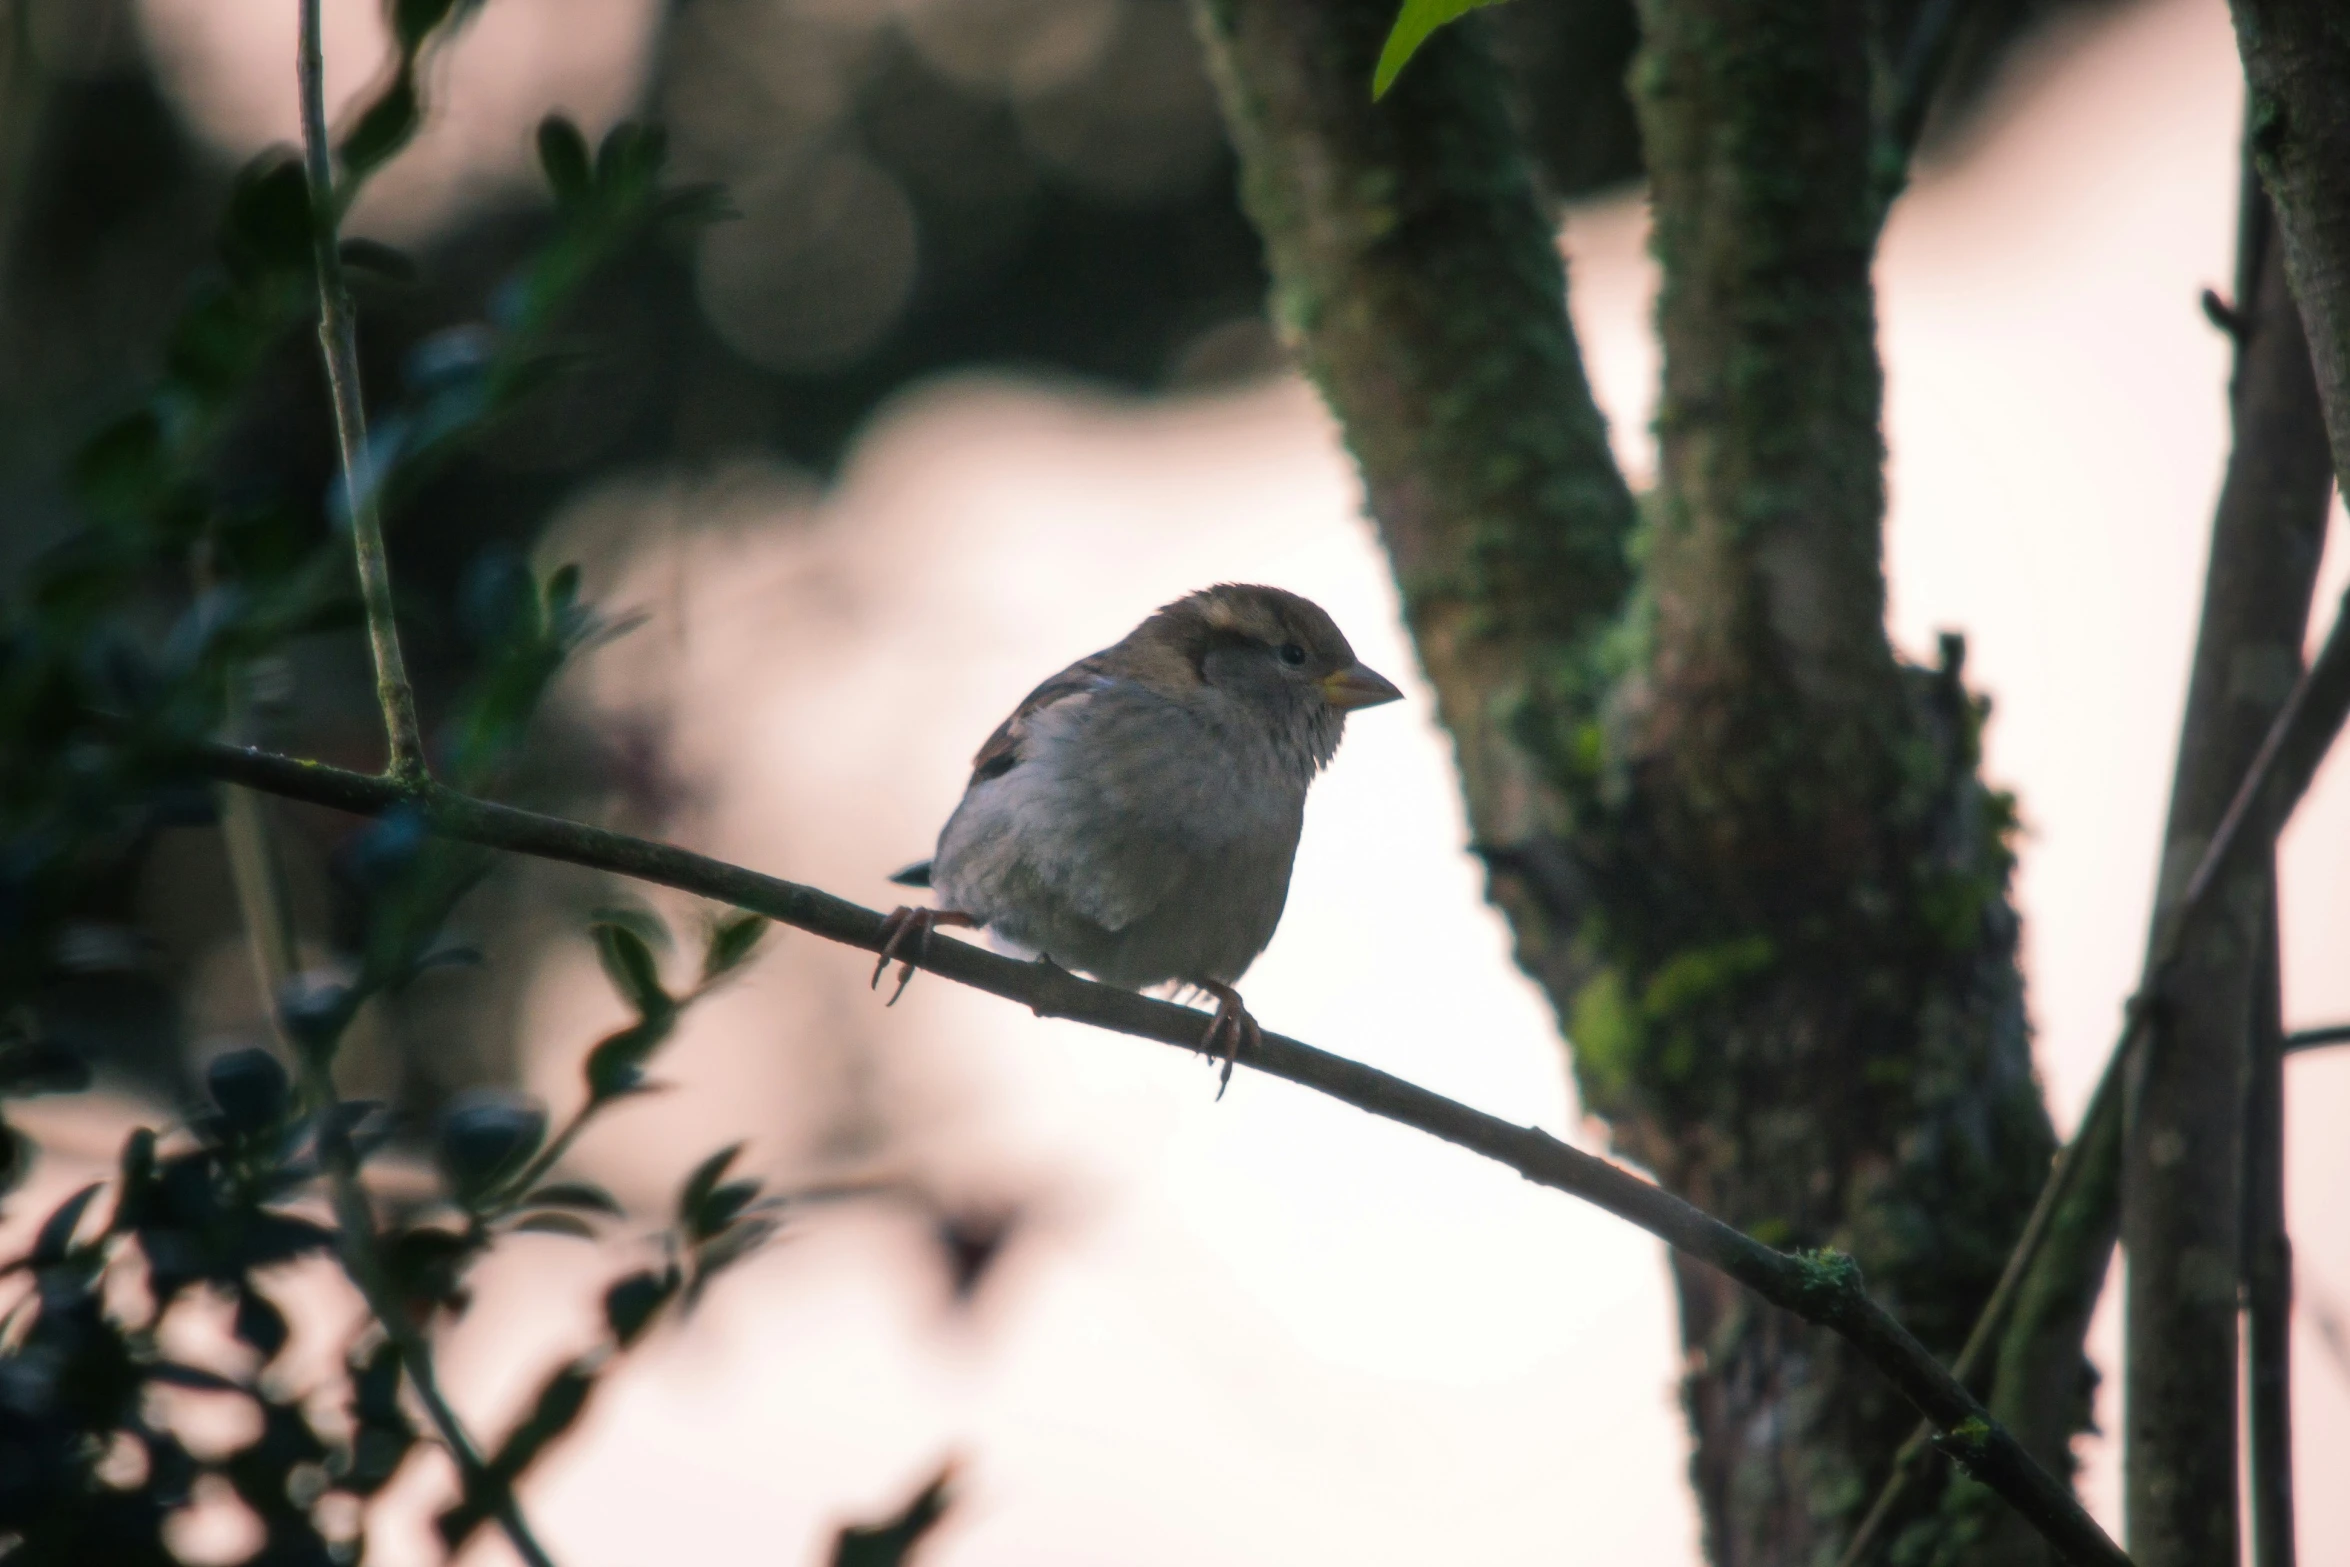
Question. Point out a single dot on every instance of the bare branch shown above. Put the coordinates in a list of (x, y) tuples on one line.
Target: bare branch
[(2268, 1273), (355, 1220), (338, 342), (1823, 1287)]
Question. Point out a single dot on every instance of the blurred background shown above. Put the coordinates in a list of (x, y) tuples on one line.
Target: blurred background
[(978, 377)]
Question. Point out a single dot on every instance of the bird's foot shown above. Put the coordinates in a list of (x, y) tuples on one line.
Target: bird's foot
[(1231, 1028), (905, 940)]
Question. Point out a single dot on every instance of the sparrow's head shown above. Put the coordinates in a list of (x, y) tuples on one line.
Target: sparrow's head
[(1278, 654)]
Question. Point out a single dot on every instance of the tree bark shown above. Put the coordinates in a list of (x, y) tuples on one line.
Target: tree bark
[(2297, 65), (2185, 1096), (1744, 850), (1833, 919), (1417, 282)]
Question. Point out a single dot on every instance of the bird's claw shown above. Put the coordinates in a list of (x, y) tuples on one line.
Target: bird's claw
[(906, 941), (1233, 1026)]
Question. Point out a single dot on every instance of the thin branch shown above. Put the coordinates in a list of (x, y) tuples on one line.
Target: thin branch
[(338, 341), (2268, 1274), (355, 1226), (256, 872), (2280, 772), (2317, 1038), (1822, 1288)]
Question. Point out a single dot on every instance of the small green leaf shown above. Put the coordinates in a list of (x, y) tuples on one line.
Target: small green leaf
[(630, 1304), (617, 1065), (1413, 24), (383, 127), (723, 1251), (562, 592), (546, 1223), (56, 1236), (628, 962), (721, 1207), (414, 20), (732, 941), (891, 1543), (576, 1194), (267, 225), (379, 260), (650, 927), (630, 160), (558, 1406), (563, 154), (702, 1182)]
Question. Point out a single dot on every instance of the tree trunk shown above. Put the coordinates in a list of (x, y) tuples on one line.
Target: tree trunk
[(1744, 850)]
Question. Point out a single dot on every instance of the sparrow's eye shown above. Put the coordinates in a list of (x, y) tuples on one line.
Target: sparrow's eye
[(1292, 654)]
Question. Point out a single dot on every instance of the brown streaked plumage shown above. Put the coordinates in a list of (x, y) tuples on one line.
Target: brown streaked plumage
[(1136, 816)]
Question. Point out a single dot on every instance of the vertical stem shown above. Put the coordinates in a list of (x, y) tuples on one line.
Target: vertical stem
[(255, 870), (2186, 1089), (363, 1261), (354, 1217), (338, 343), (2268, 1275)]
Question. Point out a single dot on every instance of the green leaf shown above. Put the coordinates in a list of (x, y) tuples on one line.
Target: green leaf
[(558, 1407), (702, 1182), (891, 1543), (563, 154), (384, 126), (628, 962), (576, 1194), (1413, 24), (631, 1304), (547, 1223), (721, 1207), (648, 926), (378, 260), (617, 1065), (412, 20), (732, 941), (56, 1236), (267, 225)]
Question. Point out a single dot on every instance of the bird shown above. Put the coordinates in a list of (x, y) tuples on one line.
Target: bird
[(1136, 818)]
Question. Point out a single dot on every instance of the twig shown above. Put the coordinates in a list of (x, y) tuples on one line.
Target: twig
[(261, 899), (355, 1226), (2268, 1274), (338, 342), (2317, 1038), (2296, 742), (1822, 1288)]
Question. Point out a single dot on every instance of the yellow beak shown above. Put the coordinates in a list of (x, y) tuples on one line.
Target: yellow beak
[(1354, 686)]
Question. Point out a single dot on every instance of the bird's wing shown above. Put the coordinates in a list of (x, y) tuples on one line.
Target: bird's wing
[(1004, 748)]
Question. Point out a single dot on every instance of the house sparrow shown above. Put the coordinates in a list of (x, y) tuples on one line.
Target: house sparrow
[(1136, 817)]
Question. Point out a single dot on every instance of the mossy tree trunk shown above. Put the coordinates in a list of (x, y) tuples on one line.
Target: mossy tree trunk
[(1743, 848)]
